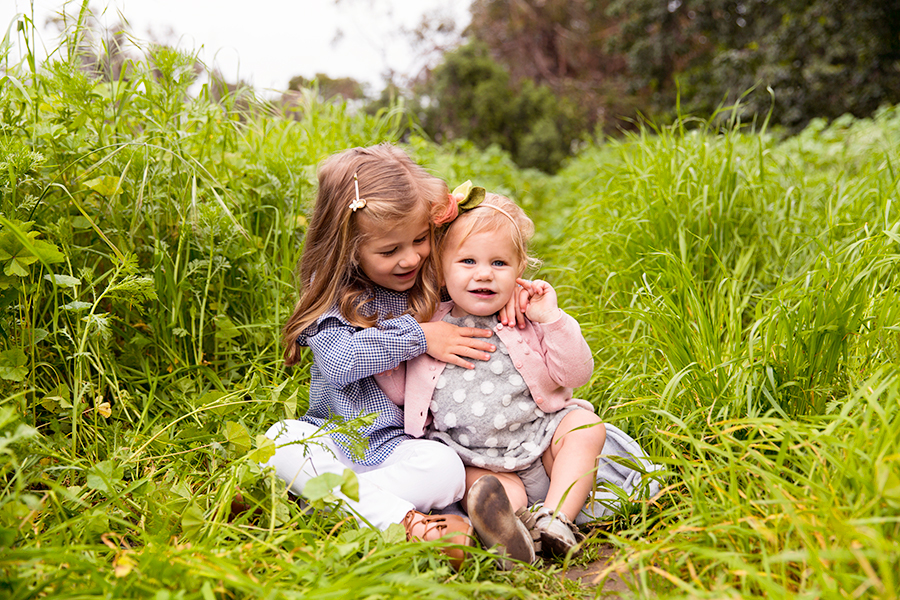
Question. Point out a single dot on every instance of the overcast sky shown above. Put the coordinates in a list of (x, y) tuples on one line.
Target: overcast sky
[(266, 42)]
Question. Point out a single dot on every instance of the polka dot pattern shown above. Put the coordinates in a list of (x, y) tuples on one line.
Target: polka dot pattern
[(486, 414)]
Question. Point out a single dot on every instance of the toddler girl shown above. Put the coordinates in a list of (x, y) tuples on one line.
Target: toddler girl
[(512, 420), (367, 275)]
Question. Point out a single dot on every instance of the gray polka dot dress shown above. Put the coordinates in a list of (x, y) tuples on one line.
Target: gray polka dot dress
[(487, 413)]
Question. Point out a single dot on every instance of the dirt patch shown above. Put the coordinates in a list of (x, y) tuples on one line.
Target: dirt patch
[(589, 575)]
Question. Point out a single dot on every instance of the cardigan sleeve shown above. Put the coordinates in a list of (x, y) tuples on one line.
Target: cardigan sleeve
[(566, 353)]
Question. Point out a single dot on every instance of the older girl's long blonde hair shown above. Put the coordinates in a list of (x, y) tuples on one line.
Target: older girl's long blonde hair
[(396, 190)]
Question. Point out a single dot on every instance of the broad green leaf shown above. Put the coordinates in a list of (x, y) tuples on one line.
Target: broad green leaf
[(106, 185), (79, 222), (12, 365), (321, 487), (47, 252), (192, 519), (57, 398), (66, 281), (17, 266), (103, 475), (77, 305), (237, 435), (394, 534), (265, 449), (8, 536), (209, 397), (350, 484), (225, 328), (472, 199)]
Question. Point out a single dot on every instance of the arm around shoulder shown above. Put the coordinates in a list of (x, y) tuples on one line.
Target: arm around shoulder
[(345, 354)]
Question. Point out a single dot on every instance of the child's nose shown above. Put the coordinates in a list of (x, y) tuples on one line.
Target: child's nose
[(484, 273), (410, 258)]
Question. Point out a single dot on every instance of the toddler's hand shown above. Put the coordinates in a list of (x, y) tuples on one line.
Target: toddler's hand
[(449, 343), (512, 314), (541, 305)]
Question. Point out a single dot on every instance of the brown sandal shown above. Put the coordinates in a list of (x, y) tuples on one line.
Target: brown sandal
[(435, 527)]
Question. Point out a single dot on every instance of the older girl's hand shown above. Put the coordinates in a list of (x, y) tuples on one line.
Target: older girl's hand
[(450, 344)]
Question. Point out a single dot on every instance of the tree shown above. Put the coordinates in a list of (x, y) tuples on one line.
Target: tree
[(472, 96), (561, 44), (822, 58)]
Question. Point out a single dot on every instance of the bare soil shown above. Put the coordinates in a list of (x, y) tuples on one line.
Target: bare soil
[(613, 585)]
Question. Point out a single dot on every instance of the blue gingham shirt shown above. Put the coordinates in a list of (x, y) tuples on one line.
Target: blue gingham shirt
[(346, 357)]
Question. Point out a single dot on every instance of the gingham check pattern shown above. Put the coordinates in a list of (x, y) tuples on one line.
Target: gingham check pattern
[(344, 360)]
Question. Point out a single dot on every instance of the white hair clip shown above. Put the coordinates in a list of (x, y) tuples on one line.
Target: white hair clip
[(359, 202)]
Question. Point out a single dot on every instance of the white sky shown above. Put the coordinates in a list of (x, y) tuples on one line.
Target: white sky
[(266, 42)]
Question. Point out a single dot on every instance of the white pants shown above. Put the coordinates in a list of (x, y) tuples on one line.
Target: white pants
[(419, 474)]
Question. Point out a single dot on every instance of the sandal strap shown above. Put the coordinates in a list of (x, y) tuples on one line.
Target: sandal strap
[(440, 524), (529, 520), (546, 512)]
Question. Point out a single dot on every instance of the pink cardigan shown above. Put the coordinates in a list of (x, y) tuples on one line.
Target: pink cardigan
[(553, 358)]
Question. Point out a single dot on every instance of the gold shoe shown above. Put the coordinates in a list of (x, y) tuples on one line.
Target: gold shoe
[(427, 528)]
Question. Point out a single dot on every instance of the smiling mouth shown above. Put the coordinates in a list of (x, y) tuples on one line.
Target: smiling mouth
[(407, 275), (482, 292)]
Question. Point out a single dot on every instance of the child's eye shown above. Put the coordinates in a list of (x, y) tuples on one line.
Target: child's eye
[(420, 240), (468, 261), (388, 252), (499, 263)]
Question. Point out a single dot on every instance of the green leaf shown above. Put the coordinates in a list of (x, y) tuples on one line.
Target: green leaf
[(349, 484), (394, 534), (103, 475), (265, 449), (192, 519), (12, 365), (237, 435), (207, 592), (320, 488), (134, 288), (60, 395), (79, 222), (47, 252), (106, 185), (225, 328), (210, 397), (8, 536), (20, 248), (77, 305), (66, 281), (17, 266)]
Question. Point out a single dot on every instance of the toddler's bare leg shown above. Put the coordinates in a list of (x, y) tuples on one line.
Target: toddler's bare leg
[(571, 461)]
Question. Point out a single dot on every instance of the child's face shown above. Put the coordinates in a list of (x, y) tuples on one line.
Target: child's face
[(480, 273), (392, 257)]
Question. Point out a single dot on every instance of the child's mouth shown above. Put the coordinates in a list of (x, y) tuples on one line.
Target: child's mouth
[(482, 292), (407, 275)]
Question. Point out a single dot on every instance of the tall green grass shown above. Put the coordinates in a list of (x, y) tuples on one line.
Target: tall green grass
[(739, 290), (148, 237), (742, 292)]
